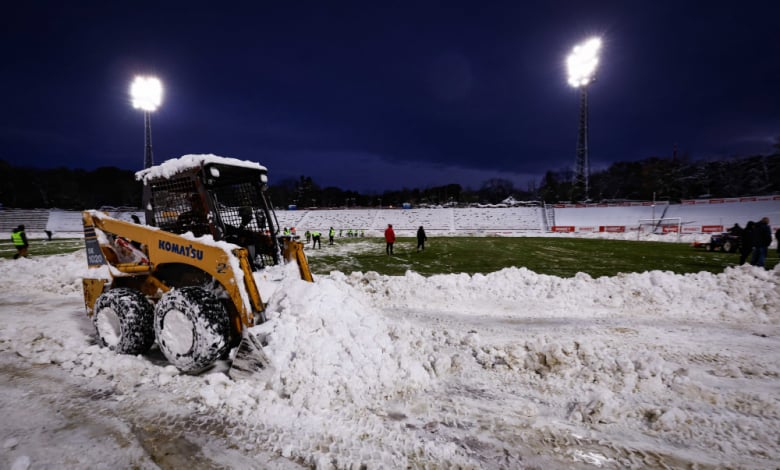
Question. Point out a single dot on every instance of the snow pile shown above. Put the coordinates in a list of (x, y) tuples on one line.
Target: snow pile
[(729, 296), (322, 333), (505, 370)]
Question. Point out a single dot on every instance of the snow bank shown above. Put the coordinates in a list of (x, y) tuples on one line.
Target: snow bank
[(505, 370)]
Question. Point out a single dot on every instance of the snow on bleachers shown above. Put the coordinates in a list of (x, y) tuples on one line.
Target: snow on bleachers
[(406, 221), (65, 221), (69, 222), (324, 219), (290, 218), (628, 216), (693, 215), (34, 220), (726, 214), (373, 221), (454, 221), (497, 219)]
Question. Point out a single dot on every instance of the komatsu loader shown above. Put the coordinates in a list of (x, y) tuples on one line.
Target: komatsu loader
[(185, 279)]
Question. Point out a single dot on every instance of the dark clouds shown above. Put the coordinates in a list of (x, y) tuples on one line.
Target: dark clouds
[(409, 94)]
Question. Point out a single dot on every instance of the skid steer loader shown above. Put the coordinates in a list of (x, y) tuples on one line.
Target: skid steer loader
[(186, 278)]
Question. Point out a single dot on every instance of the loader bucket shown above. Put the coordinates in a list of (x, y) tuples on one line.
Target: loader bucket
[(250, 361)]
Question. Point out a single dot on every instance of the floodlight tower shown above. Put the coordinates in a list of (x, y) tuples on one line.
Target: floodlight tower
[(581, 65), (146, 93)]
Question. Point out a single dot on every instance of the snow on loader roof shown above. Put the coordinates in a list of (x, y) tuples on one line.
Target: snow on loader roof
[(175, 166)]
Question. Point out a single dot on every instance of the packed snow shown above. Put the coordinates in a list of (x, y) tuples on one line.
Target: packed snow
[(175, 166), (511, 369)]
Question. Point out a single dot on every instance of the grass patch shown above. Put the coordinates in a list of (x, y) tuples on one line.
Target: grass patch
[(562, 257), (555, 256), (44, 247)]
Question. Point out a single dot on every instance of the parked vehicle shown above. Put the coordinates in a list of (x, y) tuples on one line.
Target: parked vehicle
[(724, 242)]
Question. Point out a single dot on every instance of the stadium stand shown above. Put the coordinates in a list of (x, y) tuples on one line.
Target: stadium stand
[(34, 220), (405, 221), (598, 216), (513, 219), (724, 213), (64, 221), (696, 217)]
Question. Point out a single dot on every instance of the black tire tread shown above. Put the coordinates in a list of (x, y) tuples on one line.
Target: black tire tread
[(136, 320), (210, 330)]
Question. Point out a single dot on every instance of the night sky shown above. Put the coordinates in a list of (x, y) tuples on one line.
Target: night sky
[(385, 95)]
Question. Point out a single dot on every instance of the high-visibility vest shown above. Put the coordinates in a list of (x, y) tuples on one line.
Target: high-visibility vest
[(332, 232), (17, 238)]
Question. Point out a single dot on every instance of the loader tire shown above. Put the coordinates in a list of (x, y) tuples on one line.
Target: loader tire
[(192, 328), (124, 321)]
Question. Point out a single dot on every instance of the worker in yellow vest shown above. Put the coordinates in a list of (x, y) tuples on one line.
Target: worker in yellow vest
[(315, 237), (19, 238)]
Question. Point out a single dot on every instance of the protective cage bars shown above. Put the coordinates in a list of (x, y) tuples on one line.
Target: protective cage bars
[(235, 203), (177, 206), (240, 206)]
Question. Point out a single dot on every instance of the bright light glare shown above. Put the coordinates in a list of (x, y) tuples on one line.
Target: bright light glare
[(146, 93), (582, 62)]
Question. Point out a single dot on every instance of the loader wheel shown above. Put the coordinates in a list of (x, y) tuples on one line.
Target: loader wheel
[(123, 321), (192, 328)]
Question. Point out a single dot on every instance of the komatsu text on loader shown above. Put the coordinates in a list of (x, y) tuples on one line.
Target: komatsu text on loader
[(185, 279)]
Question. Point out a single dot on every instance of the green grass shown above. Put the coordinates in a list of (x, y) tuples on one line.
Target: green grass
[(43, 247), (555, 256)]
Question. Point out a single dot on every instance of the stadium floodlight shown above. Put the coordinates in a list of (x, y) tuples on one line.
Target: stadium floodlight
[(146, 93), (582, 62), (581, 65)]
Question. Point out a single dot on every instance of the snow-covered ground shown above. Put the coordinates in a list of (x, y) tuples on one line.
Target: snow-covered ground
[(507, 370)]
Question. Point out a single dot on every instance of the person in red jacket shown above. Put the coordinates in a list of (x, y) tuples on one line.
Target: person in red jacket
[(389, 238)]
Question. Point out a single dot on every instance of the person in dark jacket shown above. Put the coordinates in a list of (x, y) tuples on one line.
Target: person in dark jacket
[(20, 242), (762, 238), (421, 239), (746, 242)]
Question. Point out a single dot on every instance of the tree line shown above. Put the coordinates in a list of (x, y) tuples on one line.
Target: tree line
[(670, 179), (667, 179)]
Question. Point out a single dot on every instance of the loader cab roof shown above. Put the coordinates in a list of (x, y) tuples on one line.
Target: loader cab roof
[(188, 163)]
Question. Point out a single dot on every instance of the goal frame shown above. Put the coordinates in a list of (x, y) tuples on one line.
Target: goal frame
[(653, 226)]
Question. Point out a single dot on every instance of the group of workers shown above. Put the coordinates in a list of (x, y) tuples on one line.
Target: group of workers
[(315, 237)]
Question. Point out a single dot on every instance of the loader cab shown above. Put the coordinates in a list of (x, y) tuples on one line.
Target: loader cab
[(216, 197)]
